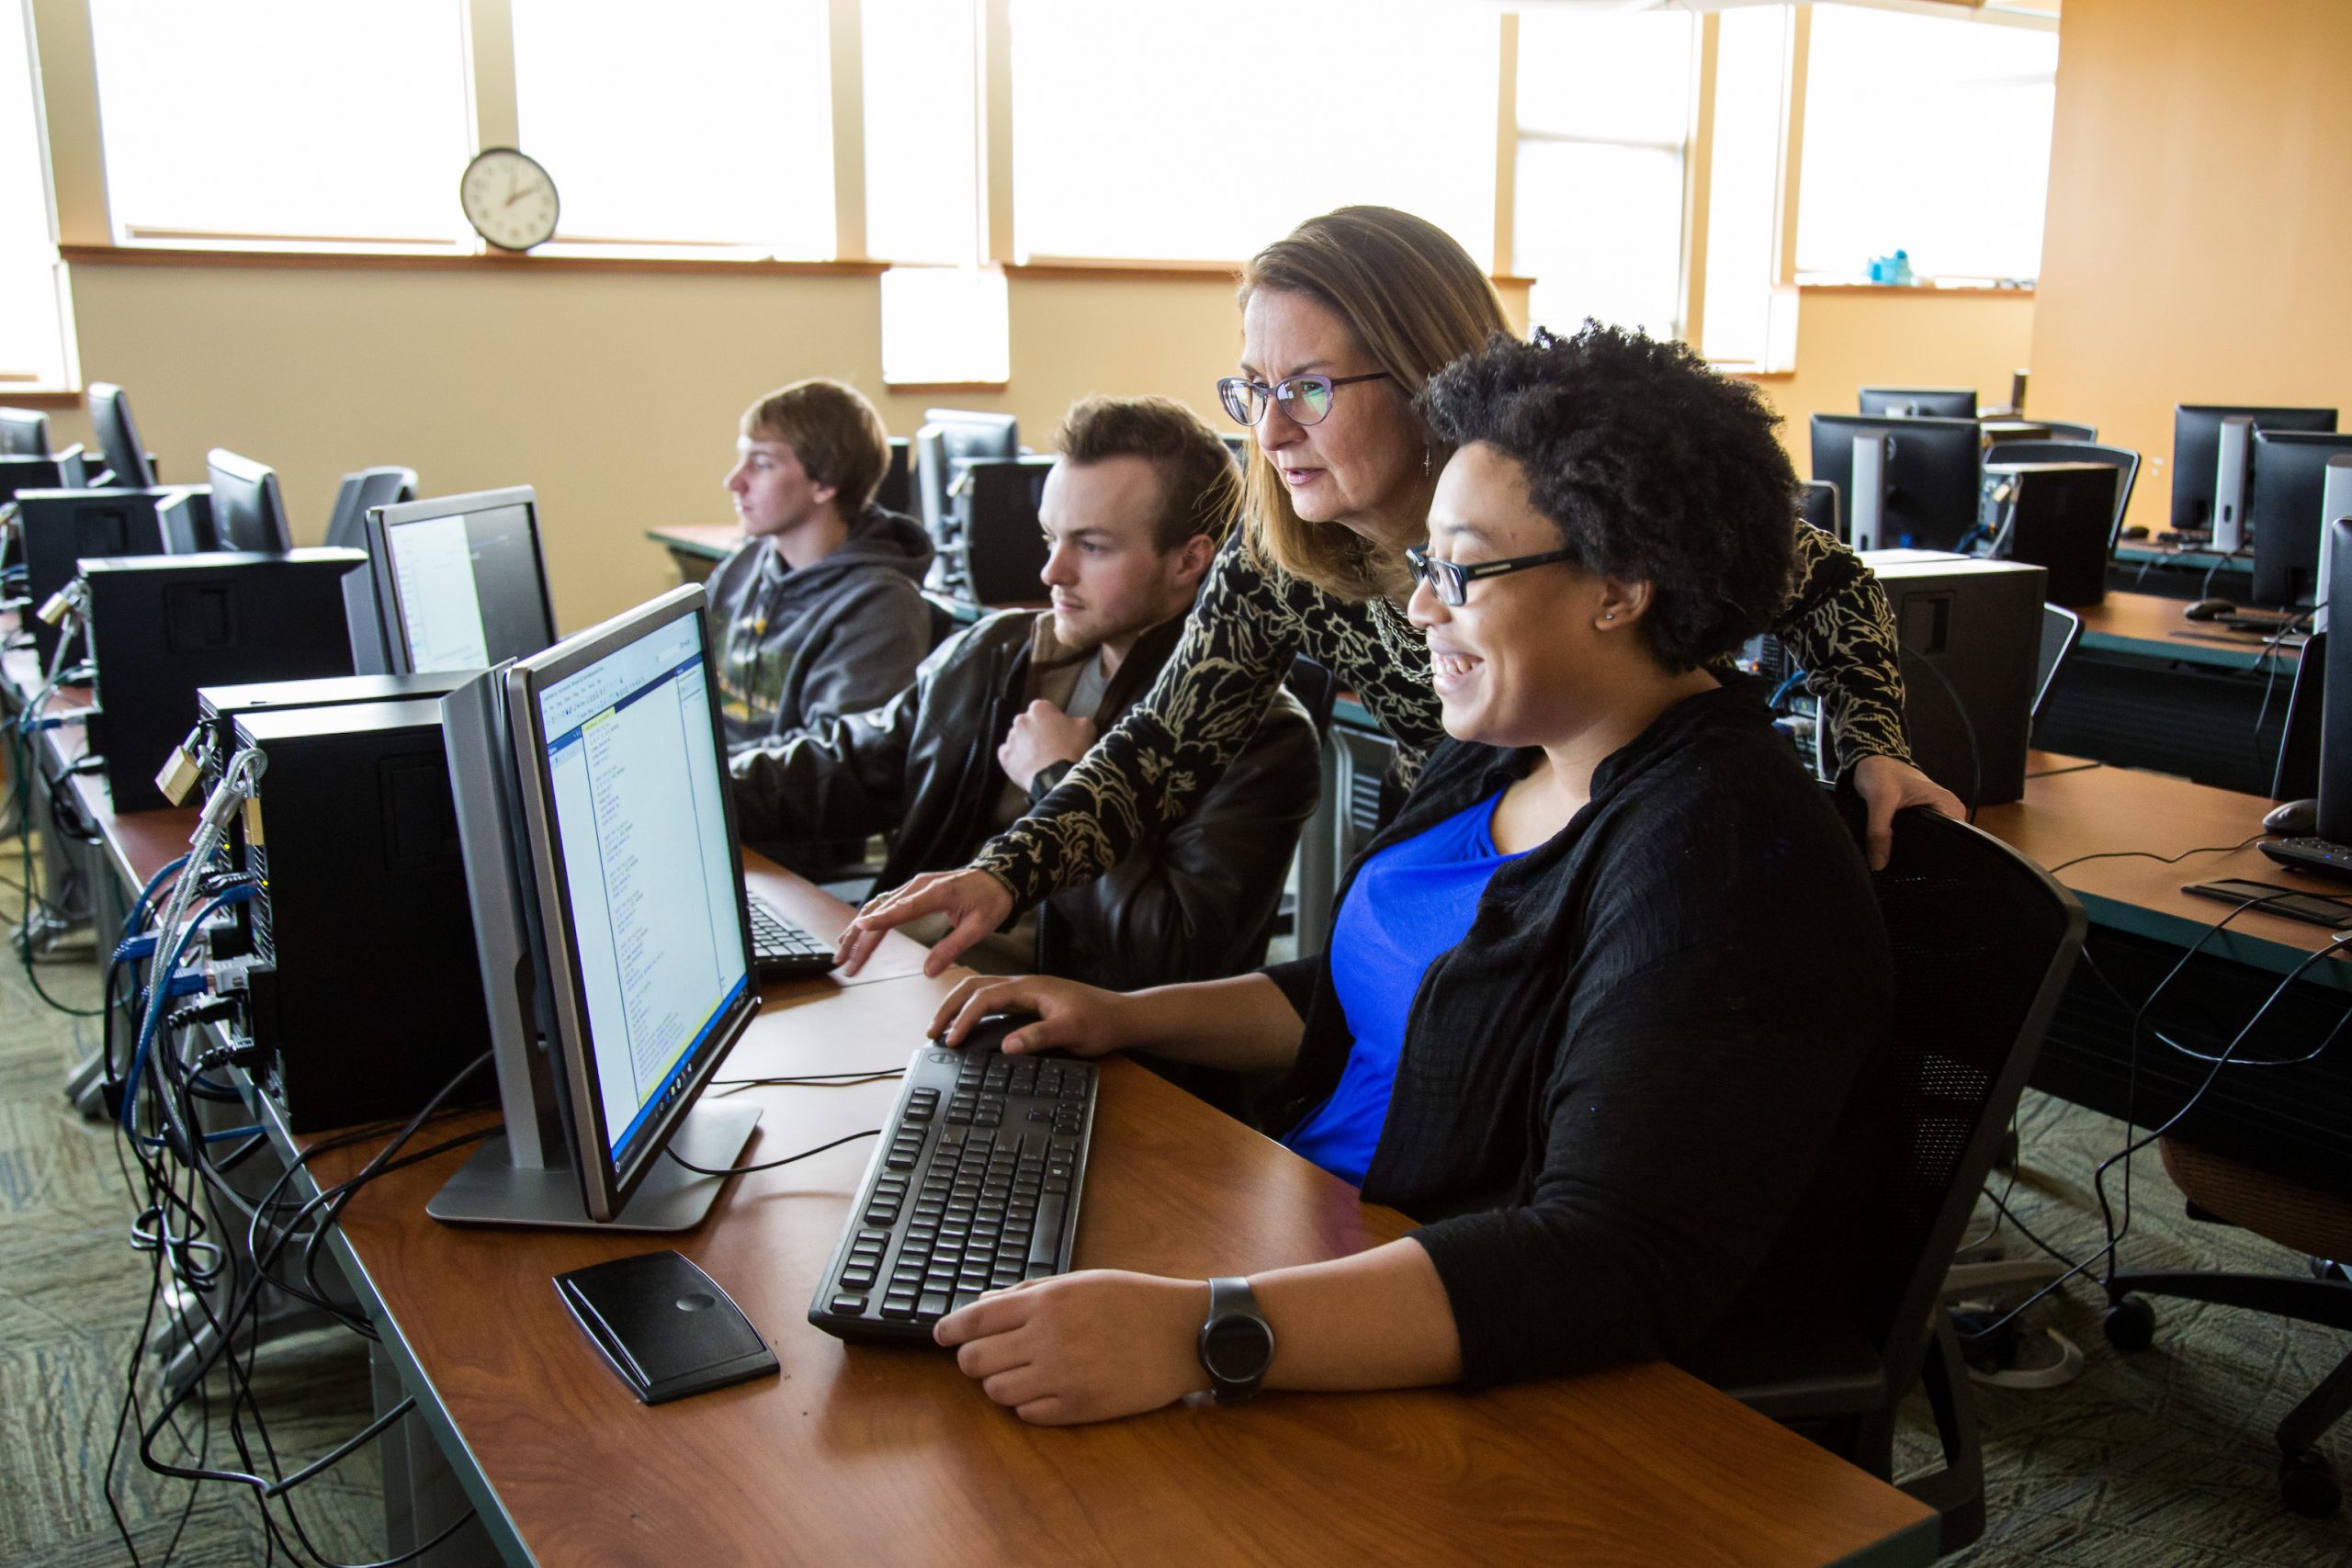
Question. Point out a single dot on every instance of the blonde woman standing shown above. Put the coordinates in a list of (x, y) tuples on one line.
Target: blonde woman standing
[(1343, 322)]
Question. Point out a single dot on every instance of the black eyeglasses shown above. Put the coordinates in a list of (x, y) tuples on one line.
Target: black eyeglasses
[(1452, 580), (1304, 399)]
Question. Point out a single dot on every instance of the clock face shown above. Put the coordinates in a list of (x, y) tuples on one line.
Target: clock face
[(509, 199)]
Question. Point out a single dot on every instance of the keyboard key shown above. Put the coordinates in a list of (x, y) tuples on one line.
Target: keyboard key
[(852, 1305)]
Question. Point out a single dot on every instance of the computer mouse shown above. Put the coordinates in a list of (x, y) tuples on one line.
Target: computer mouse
[(2135, 530), (2293, 819), (2209, 609)]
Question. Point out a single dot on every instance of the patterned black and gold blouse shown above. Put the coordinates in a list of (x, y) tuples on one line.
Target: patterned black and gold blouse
[(1251, 617)]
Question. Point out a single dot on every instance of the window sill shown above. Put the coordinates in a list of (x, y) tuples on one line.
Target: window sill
[(1095, 268), (1976, 290), (16, 395), (424, 261), (944, 388)]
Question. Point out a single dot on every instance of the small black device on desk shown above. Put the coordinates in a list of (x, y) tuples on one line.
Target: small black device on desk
[(974, 1187), (782, 947), (664, 1325), (2268, 897)]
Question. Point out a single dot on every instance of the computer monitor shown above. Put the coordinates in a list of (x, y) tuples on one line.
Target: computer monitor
[(67, 470), (1817, 504), (2197, 445), (896, 491), (949, 441), (2290, 476), (248, 513), (1930, 402), (185, 518), (347, 523), (1930, 470), (2336, 723), (597, 827), (461, 581), (119, 437), (23, 432)]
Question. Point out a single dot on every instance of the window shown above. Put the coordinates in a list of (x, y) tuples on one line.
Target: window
[(700, 122), (1604, 118), (1744, 305), (923, 147), (33, 342), (1926, 135), (1183, 132), (229, 120)]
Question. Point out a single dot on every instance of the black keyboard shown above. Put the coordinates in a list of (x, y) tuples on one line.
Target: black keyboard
[(2309, 855), (781, 947), (974, 1187)]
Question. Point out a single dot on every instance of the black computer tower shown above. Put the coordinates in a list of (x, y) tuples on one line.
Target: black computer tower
[(1968, 632), (62, 527), (218, 709), (162, 626), (2061, 517), (365, 991)]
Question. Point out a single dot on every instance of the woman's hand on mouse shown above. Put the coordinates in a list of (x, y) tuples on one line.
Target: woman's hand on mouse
[(1086, 1347), (1083, 1020)]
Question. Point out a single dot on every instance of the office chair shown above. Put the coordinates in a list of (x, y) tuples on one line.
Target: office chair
[(2300, 1218), (1982, 942), (2069, 451), (2067, 429)]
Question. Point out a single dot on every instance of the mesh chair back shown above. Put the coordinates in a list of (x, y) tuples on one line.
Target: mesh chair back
[(2121, 457), (1983, 941), (1316, 689)]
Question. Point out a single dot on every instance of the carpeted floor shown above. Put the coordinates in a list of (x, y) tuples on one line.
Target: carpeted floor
[(2162, 1459)]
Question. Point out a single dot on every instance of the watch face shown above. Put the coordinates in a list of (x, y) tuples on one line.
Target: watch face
[(509, 199), (1237, 1349)]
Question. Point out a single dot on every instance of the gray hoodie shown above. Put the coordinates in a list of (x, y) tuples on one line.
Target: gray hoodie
[(838, 635)]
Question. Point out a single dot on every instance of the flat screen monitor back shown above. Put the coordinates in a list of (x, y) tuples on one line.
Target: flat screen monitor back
[(1934, 473), (2289, 477), (67, 470), (360, 492), (248, 511), (2335, 724), (1928, 402), (23, 432), (461, 580), (119, 437), (957, 439), (2197, 449)]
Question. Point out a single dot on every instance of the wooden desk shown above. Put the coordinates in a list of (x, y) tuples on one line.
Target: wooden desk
[(889, 1454), (2147, 688), (696, 548), (2295, 1119)]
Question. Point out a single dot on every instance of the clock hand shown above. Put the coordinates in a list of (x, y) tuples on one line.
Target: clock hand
[(516, 196)]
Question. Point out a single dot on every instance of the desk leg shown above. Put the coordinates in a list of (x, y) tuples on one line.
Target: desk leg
[(420, 1492), (109, 904)]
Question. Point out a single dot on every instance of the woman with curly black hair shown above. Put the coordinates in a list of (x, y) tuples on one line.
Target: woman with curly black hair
[(1342, 323), (1556, 1019)]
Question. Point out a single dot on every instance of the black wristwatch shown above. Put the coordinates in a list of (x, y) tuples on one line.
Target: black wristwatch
[(1236, 1345), (1042, 782)]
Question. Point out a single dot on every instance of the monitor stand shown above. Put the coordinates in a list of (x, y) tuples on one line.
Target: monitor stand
[(490, 1189)]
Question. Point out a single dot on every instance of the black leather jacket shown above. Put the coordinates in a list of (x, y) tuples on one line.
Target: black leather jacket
[(1194, 902)]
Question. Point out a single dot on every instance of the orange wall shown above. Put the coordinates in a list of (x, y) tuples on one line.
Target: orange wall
[(2199, 237)]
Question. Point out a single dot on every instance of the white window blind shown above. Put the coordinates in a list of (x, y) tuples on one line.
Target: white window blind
[(1744, 187), (1205, 131), (922, 180), (1926, 135), (1604, 116), (33, 339), (695, 122), (229, 120)]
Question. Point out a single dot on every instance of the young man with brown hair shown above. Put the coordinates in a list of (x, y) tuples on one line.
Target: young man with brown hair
[(820, 612), (1133, 513)]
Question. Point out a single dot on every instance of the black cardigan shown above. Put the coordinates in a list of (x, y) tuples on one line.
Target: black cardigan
[(1616, 1092)]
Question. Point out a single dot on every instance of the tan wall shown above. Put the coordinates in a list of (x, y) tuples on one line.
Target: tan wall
[(2199, 236), (1849, 338), (616, 394)]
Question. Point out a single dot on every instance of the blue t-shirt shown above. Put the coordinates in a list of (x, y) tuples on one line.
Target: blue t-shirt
[(1408, 903)]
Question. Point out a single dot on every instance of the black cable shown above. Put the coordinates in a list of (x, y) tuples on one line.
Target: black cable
[(2160, 860), (771, 1165)]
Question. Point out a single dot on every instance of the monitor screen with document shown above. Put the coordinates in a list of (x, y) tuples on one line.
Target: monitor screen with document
[(460, 581)]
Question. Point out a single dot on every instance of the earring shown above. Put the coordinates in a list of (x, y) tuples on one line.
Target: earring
[(1611, 616), (1425, 460)]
